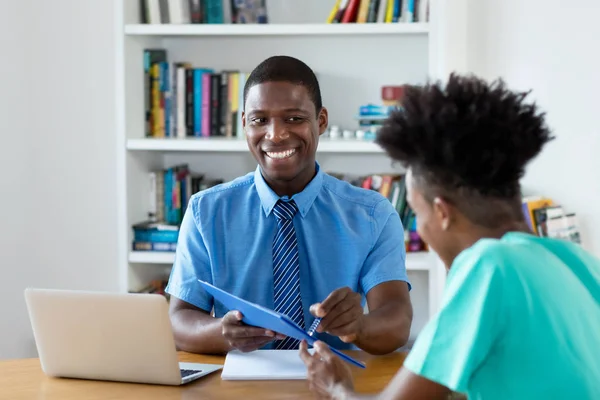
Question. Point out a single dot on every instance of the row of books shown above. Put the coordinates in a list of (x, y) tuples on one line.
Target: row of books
[(548, 219), (186, 101), (255, 11), (379, 11), (203, 12), (171, 189)]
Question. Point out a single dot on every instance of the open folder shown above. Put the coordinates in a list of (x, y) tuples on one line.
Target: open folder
[(262, 317)]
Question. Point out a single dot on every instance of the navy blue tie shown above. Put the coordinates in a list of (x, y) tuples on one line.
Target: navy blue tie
[(286, 270)]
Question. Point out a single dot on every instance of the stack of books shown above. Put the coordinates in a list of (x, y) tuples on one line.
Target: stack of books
[(548, 219)]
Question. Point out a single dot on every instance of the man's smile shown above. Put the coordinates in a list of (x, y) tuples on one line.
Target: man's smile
[(280, 155)]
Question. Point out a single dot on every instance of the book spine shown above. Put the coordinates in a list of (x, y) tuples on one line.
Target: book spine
[(197, 102), (153, 246), (215, 110), (189, 102), (206, 112), (223, 99), (181, 103), (241, 83)]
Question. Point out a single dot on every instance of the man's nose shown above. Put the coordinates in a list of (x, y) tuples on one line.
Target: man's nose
[(276, 131)]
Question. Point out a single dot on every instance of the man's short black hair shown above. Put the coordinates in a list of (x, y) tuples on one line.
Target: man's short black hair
[(285, 69), (467, 141)]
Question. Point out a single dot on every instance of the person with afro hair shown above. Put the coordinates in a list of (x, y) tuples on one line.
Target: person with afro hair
[(520, 315)]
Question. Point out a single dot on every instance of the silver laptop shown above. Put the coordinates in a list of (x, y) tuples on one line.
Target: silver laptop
[(107, 336)]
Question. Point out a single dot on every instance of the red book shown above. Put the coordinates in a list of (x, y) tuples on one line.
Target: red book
[(351, 11), (392, 94)]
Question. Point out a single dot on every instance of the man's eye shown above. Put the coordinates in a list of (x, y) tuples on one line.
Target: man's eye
[(295, 119), (259, 120)]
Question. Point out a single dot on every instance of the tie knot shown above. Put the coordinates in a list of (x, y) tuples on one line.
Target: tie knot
[(285, 209)]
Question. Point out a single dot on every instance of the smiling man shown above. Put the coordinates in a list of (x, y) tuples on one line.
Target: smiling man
[(290, 237)]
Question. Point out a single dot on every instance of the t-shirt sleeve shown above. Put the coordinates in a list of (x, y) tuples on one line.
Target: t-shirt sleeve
[(457, 340), (387, 259), (192, 262)]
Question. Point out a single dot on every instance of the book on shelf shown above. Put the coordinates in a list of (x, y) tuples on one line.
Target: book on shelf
[(182, 100), (379, 11), (547, 219)]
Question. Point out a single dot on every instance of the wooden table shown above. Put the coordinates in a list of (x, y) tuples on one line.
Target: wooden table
[(24, 379)]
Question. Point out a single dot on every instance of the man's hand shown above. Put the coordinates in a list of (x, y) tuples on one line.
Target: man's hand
[(328, 376), (341, 314), (245, 337)]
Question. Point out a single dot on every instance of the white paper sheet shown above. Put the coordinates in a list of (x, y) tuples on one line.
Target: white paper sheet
[(264, 365)]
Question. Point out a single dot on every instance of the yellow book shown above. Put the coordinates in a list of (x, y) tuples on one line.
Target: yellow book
[(389, 12), (234, 95), (532, 203), (363, 11), (157, 127), (334, 11)]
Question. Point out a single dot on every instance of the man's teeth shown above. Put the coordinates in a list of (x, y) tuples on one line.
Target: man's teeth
[(281, 154)]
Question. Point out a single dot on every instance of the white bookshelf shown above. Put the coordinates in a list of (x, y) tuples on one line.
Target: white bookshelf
[(352, 62), (417, 261), (240, 146), (276, 29)]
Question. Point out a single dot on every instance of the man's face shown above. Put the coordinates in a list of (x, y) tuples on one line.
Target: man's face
[(282, 129)]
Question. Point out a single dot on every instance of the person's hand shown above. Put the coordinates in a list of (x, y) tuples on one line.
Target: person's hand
[(244, 337), (341, 314), (328, 376)]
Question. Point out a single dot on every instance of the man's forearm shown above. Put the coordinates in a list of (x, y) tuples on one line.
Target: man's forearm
[(385, 329), (198, 332)]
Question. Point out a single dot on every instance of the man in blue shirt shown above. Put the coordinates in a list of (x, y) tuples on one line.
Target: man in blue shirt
[(290, 237)]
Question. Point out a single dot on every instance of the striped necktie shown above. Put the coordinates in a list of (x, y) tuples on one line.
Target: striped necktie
[(286, 270)]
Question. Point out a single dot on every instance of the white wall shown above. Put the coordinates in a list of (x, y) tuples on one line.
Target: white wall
[(15, 178), (58, 203), (551, 48)]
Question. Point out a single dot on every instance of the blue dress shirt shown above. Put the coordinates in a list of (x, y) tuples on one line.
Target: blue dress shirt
[(347, 236)]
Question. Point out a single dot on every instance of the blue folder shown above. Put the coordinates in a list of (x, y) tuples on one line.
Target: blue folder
[(262, 317)]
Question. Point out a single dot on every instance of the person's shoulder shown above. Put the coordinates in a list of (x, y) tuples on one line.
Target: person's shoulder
[(222, 191), (487, 254), (347, 193), (503, 254)]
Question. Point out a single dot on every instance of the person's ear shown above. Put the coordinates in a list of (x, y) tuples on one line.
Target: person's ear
[(443, 212), (244, 120), (323, 119)]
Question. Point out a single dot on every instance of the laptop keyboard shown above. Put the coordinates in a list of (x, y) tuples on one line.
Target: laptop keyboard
[(188, 372)]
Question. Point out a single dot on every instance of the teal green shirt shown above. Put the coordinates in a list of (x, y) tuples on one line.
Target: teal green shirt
[(520, 319)]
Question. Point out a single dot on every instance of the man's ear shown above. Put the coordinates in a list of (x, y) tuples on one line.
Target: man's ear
[(323, 119), (243, 120), (443, 213)]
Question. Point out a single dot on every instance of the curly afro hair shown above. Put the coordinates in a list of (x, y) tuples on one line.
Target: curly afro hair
[(468, 137)]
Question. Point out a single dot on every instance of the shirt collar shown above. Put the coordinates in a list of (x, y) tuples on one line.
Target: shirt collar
[(304, 199)]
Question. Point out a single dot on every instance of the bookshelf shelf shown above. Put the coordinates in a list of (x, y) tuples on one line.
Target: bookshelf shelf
[(418, 261), (275, 29), (152, 257), (235, 145)]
